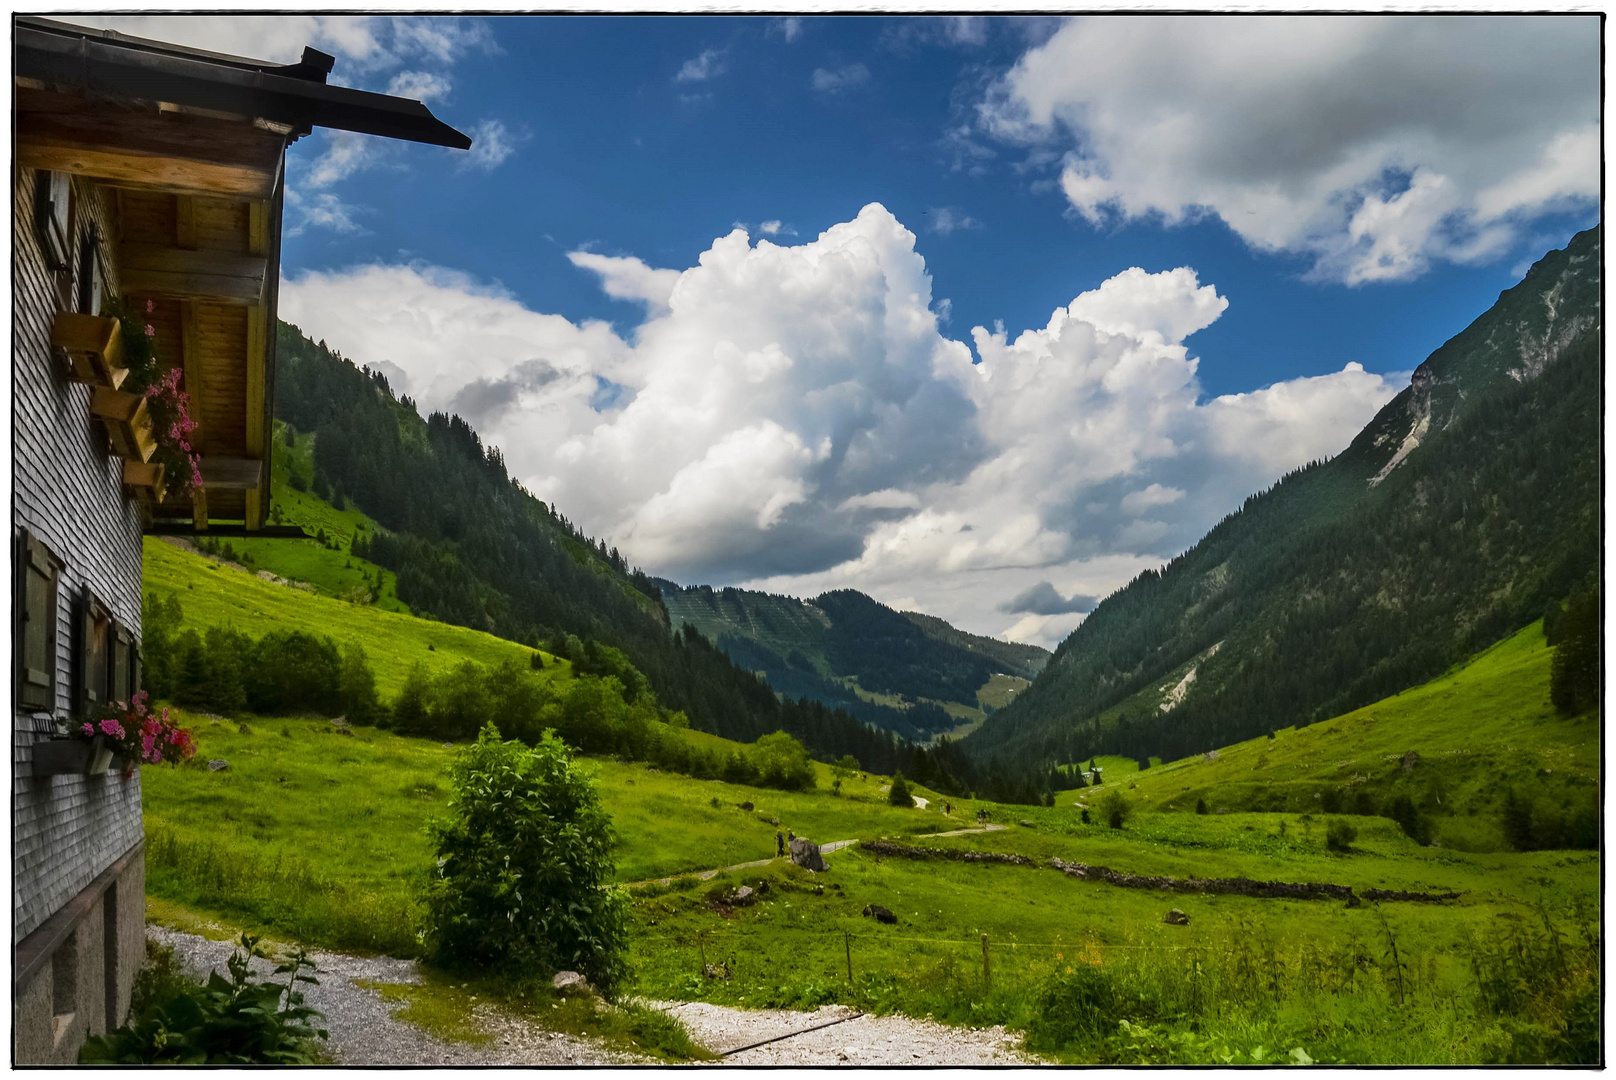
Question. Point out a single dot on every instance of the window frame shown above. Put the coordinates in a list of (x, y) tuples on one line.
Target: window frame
[(53, 199)]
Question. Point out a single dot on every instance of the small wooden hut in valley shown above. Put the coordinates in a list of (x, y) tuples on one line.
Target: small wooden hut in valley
[(149, 181)]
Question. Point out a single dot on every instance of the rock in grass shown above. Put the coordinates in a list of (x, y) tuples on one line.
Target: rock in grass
[(880, 914), (745, 895), (747, 807), (218, 764), (1411, 759), (1177, 918), (805, 853), (571, 983)]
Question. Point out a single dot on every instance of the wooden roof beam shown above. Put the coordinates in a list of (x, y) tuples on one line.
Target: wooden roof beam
[(148, 148), (154, 270)]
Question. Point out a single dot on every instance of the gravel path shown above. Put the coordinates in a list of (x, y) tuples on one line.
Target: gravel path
[(365, 1032), (857, 1040)]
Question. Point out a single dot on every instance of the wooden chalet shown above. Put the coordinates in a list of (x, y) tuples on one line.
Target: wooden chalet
[(151, 177)]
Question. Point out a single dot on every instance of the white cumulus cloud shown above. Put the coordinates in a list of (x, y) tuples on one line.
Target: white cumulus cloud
[(792, 417), (1376, 144)]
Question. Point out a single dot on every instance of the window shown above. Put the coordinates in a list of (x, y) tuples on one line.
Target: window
[(36, 636), (92, 281), (93, 641), (52, 193)]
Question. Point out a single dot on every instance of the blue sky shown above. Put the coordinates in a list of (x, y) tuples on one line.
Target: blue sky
[(615, 154), (865, 388)]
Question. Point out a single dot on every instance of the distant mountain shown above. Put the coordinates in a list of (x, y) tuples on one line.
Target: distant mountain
[(907, 672), (1461, 511)]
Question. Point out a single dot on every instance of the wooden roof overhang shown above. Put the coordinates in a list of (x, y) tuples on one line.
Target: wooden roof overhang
[(191, 147)]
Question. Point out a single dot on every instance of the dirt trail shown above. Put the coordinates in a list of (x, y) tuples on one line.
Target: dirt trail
[(365, 1031)]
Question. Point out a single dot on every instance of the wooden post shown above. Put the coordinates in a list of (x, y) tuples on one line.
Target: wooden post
[(847, 941), (987, 966)]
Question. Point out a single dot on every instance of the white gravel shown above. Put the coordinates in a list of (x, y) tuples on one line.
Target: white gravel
[(364, 1030), (862, 1040)]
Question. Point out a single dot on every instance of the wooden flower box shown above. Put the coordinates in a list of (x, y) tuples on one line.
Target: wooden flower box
[(144, 479), (94, 348), (128, 423), (71, 757)]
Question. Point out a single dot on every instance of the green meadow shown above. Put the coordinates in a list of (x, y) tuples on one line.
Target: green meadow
[(321, 836), (216, 594)]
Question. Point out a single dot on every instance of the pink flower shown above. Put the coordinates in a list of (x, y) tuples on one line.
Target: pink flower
[(148, 307), (113, 728), (149, 331), (89, 731)]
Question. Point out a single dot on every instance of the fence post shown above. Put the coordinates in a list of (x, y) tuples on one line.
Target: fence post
[(847, 941), (987, 966)]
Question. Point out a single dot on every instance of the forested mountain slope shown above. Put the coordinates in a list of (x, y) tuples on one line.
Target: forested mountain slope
[(824, 648), (1456, 516), (470, 546)]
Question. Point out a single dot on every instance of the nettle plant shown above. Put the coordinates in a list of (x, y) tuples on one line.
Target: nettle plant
[(138, 735)]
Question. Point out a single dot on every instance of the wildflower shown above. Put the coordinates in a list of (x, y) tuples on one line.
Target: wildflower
[(89, 731), (148, 307), (149, 331)]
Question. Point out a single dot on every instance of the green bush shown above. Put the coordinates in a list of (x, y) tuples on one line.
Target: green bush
[(1115, 809), (239, 1021), (521, 883), (782, 762), (899, 795), (1339, 836)]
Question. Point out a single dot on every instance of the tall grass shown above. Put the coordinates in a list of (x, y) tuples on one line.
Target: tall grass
[(280, 894)]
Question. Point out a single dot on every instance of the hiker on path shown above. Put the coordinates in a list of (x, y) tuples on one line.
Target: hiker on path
[(779, 845)]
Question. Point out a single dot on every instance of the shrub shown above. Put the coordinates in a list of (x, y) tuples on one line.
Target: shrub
[(239, 1021), (1115, 809), (523, 866), (782, 762), (1339, 836), (899, 795), (1200, 806)]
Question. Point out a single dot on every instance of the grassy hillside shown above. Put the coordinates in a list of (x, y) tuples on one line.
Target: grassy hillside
[(331, 567), (1467, 506), (1482, 729), (213, 594)]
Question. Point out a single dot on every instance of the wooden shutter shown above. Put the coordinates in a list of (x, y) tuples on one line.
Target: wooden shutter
[(36, 635), (120, 664), (92, 631)]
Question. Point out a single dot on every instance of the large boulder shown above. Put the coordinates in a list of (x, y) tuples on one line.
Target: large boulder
[(805, 853)]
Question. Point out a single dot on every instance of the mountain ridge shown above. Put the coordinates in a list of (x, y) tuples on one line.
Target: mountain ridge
[(1465, 506)]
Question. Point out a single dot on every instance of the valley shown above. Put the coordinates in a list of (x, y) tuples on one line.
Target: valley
[(1357, 886)]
